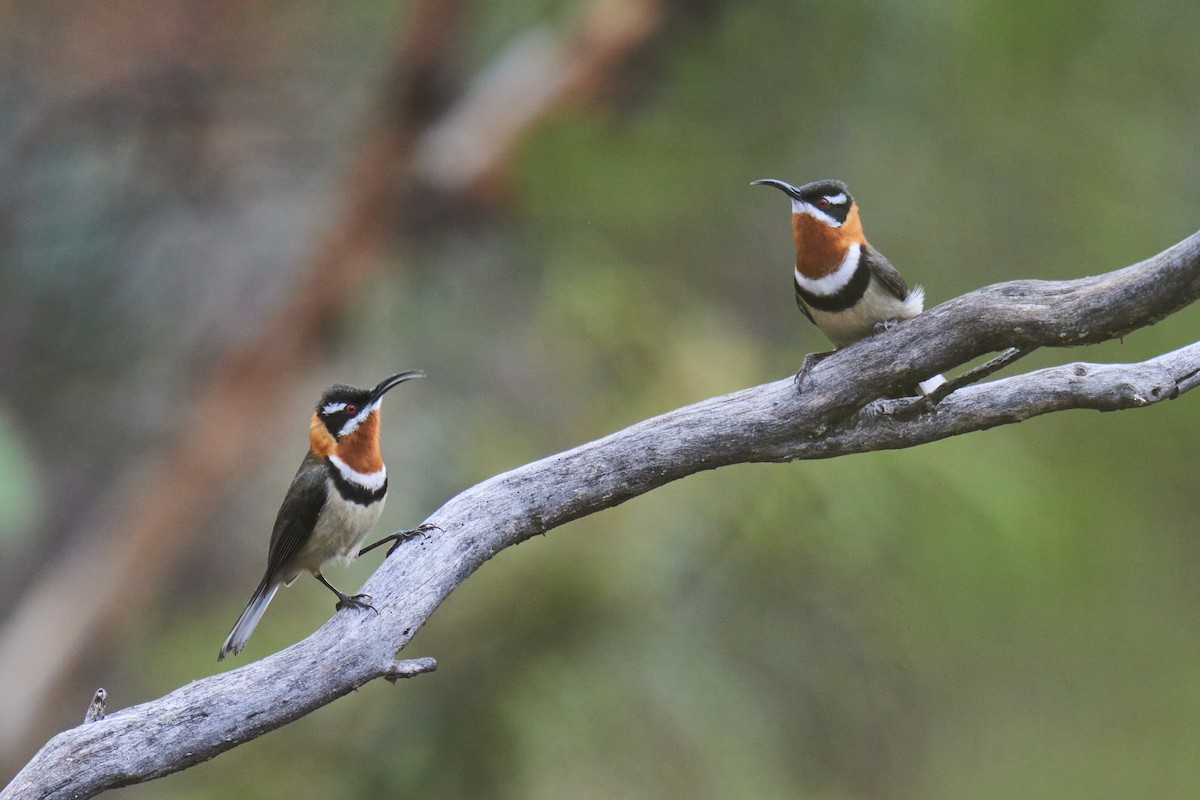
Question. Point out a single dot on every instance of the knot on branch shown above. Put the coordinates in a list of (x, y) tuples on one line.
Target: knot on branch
[(408, 668)]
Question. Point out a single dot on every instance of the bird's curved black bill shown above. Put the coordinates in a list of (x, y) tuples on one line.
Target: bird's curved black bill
[(394, 380), (792, 191)]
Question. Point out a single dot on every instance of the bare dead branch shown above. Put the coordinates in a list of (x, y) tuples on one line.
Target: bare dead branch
[(833, 416), (974, 375), (120, 552), (97, 707)]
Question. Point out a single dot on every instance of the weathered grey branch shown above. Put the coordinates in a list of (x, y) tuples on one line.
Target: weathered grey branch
[(833, 415)]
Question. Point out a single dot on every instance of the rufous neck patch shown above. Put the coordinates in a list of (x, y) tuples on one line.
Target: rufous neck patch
[(320, 440), (360, 448), (821, 248)]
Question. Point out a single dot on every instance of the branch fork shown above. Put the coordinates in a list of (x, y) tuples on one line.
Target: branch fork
[(836, 414)]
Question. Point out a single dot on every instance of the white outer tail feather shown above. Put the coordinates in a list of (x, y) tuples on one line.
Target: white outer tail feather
[(928, 386), (917, 298), (253, 612)]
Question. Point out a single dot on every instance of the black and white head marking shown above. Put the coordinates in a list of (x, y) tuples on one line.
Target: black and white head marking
[(827, 200), (343, 408)]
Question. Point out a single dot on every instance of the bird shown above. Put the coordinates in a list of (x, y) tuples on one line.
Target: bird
[(332, 504), (845, 287)]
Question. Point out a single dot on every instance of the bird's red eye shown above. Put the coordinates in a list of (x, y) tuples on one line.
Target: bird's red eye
[(823, 203), (350, 408)]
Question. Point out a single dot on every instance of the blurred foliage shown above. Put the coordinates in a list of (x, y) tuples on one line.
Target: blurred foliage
[(18, 485), (1007, 614)]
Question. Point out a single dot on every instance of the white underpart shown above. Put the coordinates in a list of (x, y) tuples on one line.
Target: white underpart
[(371, 481), (835, 281), (857, 322), (358, 418), (801, 207), (877, 305), (341, 529)]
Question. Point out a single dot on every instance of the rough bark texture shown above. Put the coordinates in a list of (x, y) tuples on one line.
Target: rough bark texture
[(835, 413)]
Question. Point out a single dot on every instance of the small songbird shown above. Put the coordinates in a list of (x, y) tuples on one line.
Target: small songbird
[(333, 503), (843, 284)]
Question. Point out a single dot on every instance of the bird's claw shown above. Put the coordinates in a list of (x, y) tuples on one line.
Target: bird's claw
[(403, 536), (354, 601), (810, 361), (885, 325)]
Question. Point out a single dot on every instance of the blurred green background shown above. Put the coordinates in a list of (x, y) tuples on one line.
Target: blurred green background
[(1005, 614)]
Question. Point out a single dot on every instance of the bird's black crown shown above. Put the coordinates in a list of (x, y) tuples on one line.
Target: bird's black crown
[(812, 192)]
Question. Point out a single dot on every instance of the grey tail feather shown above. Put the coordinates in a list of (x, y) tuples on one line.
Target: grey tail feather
[(253, 612)]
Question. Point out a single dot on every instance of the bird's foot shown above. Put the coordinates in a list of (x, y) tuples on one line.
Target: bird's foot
[(401, 536), (354, 601), (810, 361), (885, 325)]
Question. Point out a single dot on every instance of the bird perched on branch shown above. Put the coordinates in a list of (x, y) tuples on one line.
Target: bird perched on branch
[(333, 503), (843, 284)]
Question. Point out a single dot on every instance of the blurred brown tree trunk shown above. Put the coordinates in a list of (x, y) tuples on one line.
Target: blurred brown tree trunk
[(421, 141)]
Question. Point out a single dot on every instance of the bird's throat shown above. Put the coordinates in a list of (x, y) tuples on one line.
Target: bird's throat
[(359, 449), (820, 248)]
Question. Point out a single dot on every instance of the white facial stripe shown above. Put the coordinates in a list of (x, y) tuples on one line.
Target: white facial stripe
[(371, 481), (836, 199), (332, 408), (836, 280), (801, 207), (357, 419)]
